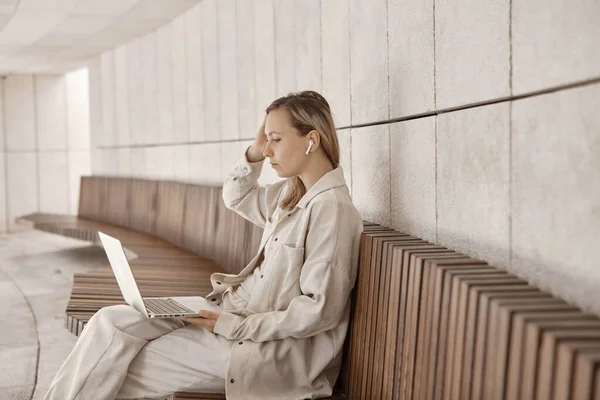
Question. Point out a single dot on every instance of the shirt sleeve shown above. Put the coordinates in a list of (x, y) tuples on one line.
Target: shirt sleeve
[(326, 280), (242, 194)]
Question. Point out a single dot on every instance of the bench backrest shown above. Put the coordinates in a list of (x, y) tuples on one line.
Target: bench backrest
[(431, 323), (427, 322), (187, 215)]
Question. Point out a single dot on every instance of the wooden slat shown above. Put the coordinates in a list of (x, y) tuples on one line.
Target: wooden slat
[(533, 340), (170, 211), (92, 197), (374, 261), (200, 222), (118, 201), (547, 362), (142, 208), (503, 308), (586, 383), (426, 309), (568, 352)]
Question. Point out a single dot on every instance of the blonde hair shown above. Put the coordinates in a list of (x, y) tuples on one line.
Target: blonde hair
[(308, 111)]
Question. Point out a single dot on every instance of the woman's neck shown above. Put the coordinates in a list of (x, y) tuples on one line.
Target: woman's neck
[(315, 171)]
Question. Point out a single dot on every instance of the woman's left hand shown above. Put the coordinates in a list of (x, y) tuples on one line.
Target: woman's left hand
[(207, 319)]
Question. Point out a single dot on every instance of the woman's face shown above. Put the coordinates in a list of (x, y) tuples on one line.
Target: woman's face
[(285, 146)]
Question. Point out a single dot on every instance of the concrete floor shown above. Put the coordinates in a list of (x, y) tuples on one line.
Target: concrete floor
[(36, 271)]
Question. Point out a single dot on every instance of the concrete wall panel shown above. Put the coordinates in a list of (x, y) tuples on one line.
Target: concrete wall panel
[(150, 114), (211, 70), (264, 42), (96, 162), (53, 183), (228, 68), (472, 51), (78, 110), (138, 162), (19, 113), (371, 173), (285, 51), (178, 69), (413, 180), (411, 57), (205, 163), (556, 193), (21, 186), (107, 85), (230, 155), (368, 60), (79, 165), (124, 161), (51, 112), (135, 90), (307, 39), (246, 73), (122, 110), (164, 66), (110, 162), (554, 43), (159, 162), (181, 156), (95, 90), (336, 59), (473, 182), (194, 73)]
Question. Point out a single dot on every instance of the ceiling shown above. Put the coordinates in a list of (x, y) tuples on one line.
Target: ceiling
[(57, 36)]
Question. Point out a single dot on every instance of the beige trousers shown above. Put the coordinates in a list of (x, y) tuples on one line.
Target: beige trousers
[(122, 354)]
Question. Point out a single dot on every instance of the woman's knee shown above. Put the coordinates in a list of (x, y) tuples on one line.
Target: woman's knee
[(118, 316)]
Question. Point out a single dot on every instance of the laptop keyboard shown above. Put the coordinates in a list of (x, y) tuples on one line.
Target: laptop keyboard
[(165, 306)]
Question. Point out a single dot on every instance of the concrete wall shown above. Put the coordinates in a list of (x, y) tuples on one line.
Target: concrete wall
[(45, 145), (470, 124)]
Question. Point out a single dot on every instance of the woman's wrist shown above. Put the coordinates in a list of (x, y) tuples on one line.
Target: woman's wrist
[(254, 154)]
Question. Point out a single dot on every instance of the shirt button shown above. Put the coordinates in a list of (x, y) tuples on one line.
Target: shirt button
[(245, 169), (232, 381), (261, 276), (275, 239), (235, 178), (218, 283), (241, 343), (213, 299)]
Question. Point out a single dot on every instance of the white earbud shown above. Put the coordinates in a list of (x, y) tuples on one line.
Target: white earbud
[(310, 143)]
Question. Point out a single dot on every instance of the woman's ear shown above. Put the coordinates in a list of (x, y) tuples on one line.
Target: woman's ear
[(315, 137)]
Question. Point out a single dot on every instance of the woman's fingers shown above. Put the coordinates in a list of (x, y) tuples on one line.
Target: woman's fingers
[(209, 314), (207, 319), (261, 138), (203, 322)]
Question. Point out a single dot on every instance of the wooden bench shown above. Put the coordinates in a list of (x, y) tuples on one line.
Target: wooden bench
[(427, 322)]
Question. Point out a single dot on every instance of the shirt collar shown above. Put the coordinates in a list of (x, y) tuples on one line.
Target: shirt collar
[(328, 181)]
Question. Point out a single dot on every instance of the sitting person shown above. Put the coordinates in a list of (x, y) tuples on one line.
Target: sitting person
[(280, 329)]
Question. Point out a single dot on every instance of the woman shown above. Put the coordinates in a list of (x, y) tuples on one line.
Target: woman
[(284, 318)]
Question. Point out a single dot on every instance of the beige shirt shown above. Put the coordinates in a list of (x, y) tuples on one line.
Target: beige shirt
[(289, 319)]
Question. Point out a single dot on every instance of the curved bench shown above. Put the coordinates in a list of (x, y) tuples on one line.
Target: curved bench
[(427, 322), (163, 247)]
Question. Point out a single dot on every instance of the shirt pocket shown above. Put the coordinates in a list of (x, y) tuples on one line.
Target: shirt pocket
[(285, 284), (235, 298)]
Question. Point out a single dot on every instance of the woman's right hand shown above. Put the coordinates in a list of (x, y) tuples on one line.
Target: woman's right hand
[(255, 151)]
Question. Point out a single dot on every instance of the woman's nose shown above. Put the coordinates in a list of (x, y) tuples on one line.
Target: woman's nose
[(267, 150)]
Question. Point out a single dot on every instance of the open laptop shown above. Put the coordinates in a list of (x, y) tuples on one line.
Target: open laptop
[(153, 307)]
